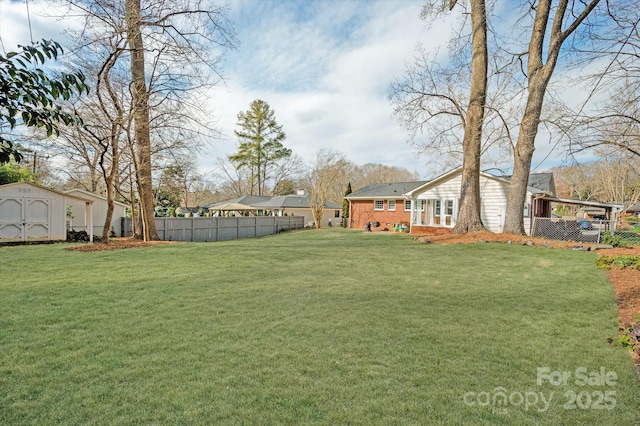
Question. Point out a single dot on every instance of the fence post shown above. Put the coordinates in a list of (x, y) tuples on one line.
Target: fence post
[(533, 229)]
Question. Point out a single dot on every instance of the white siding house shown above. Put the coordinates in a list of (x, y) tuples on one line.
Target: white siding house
[(435, 204), (78, 220), (30, 212)]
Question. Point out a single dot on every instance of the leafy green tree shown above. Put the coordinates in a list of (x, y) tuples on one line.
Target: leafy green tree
[(29, 96), (260, 146), (11, 172), (171, 187)]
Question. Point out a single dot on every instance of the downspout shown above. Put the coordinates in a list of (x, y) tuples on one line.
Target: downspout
[(532, 209), (411, 213), (90, 205)]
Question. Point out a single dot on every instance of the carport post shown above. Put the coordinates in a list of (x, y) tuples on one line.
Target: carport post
[(89, 208), (614, 218)]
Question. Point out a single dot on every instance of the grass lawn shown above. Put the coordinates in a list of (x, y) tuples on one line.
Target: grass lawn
[(310, 327)]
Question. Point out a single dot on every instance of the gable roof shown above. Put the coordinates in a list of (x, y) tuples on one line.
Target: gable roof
[(384, 190), (505, 179), (17, 184), (634, 208), (90, 195), (541, 181)]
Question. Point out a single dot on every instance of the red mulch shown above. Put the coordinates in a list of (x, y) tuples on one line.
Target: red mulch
[(119, 244)]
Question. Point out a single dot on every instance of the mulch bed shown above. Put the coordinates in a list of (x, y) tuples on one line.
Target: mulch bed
[(119, 244)]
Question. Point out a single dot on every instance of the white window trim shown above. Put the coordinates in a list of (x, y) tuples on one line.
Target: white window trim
[(442, 217), (405, 205), (391, 203), (375, 205)]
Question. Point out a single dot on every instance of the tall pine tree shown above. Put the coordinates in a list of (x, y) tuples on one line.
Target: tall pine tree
[(260, 147)]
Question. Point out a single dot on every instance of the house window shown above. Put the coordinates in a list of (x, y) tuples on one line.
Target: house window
[(441, 212), (437, 211), (421, 204), (378, 205), (391, 205), (407, 205), (448, 212), (336, 213)]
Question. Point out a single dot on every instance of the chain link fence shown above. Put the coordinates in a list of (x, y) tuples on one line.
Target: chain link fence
[(587, 231)]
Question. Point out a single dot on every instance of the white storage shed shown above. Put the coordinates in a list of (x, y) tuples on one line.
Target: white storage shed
[(78, 220), (30, 212)]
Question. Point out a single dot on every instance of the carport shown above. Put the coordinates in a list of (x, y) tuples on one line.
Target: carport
[(577, 229)]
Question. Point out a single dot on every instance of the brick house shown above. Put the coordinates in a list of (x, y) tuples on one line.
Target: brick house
[(381, 202), (431, 207)]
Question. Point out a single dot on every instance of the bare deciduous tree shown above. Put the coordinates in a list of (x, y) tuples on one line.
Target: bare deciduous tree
[(542, 56), (421, 100), (326, 181), (469, 219), (173, 49)]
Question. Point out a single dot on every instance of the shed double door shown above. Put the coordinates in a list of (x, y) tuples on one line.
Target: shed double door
[(25, 219)]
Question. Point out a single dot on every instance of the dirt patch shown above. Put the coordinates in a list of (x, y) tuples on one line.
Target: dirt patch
[(626, 284), (119, 244)]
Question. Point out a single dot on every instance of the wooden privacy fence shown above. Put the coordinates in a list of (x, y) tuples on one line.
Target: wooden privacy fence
[(204, 229)]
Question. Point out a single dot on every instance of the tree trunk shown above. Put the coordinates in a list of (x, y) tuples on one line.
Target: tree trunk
[(141, 119), (514, 217), (538, 74), (469, 212), (109, 182)]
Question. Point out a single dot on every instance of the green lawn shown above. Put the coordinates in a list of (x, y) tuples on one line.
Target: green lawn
[(310, 327)]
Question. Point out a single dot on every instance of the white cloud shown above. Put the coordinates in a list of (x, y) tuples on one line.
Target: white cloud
[(16, 26), (325, 66), (326, 71)]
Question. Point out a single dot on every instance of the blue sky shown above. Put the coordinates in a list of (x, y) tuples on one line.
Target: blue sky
[(324, 66)]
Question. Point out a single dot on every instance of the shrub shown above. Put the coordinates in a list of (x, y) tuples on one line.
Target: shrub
[(614, 240), (630, 337), (622, 262)]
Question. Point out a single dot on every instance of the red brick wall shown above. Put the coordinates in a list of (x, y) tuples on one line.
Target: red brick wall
[(362, 212)]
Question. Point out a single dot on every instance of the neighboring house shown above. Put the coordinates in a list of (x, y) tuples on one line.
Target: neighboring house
[(247, 200), (432, 206), (280, 205), (191, 211), (78, 221), (381, 202), (30, 212), (634, 209), (298, 205)]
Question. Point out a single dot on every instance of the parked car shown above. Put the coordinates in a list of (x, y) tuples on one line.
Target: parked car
[(585, 224)]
